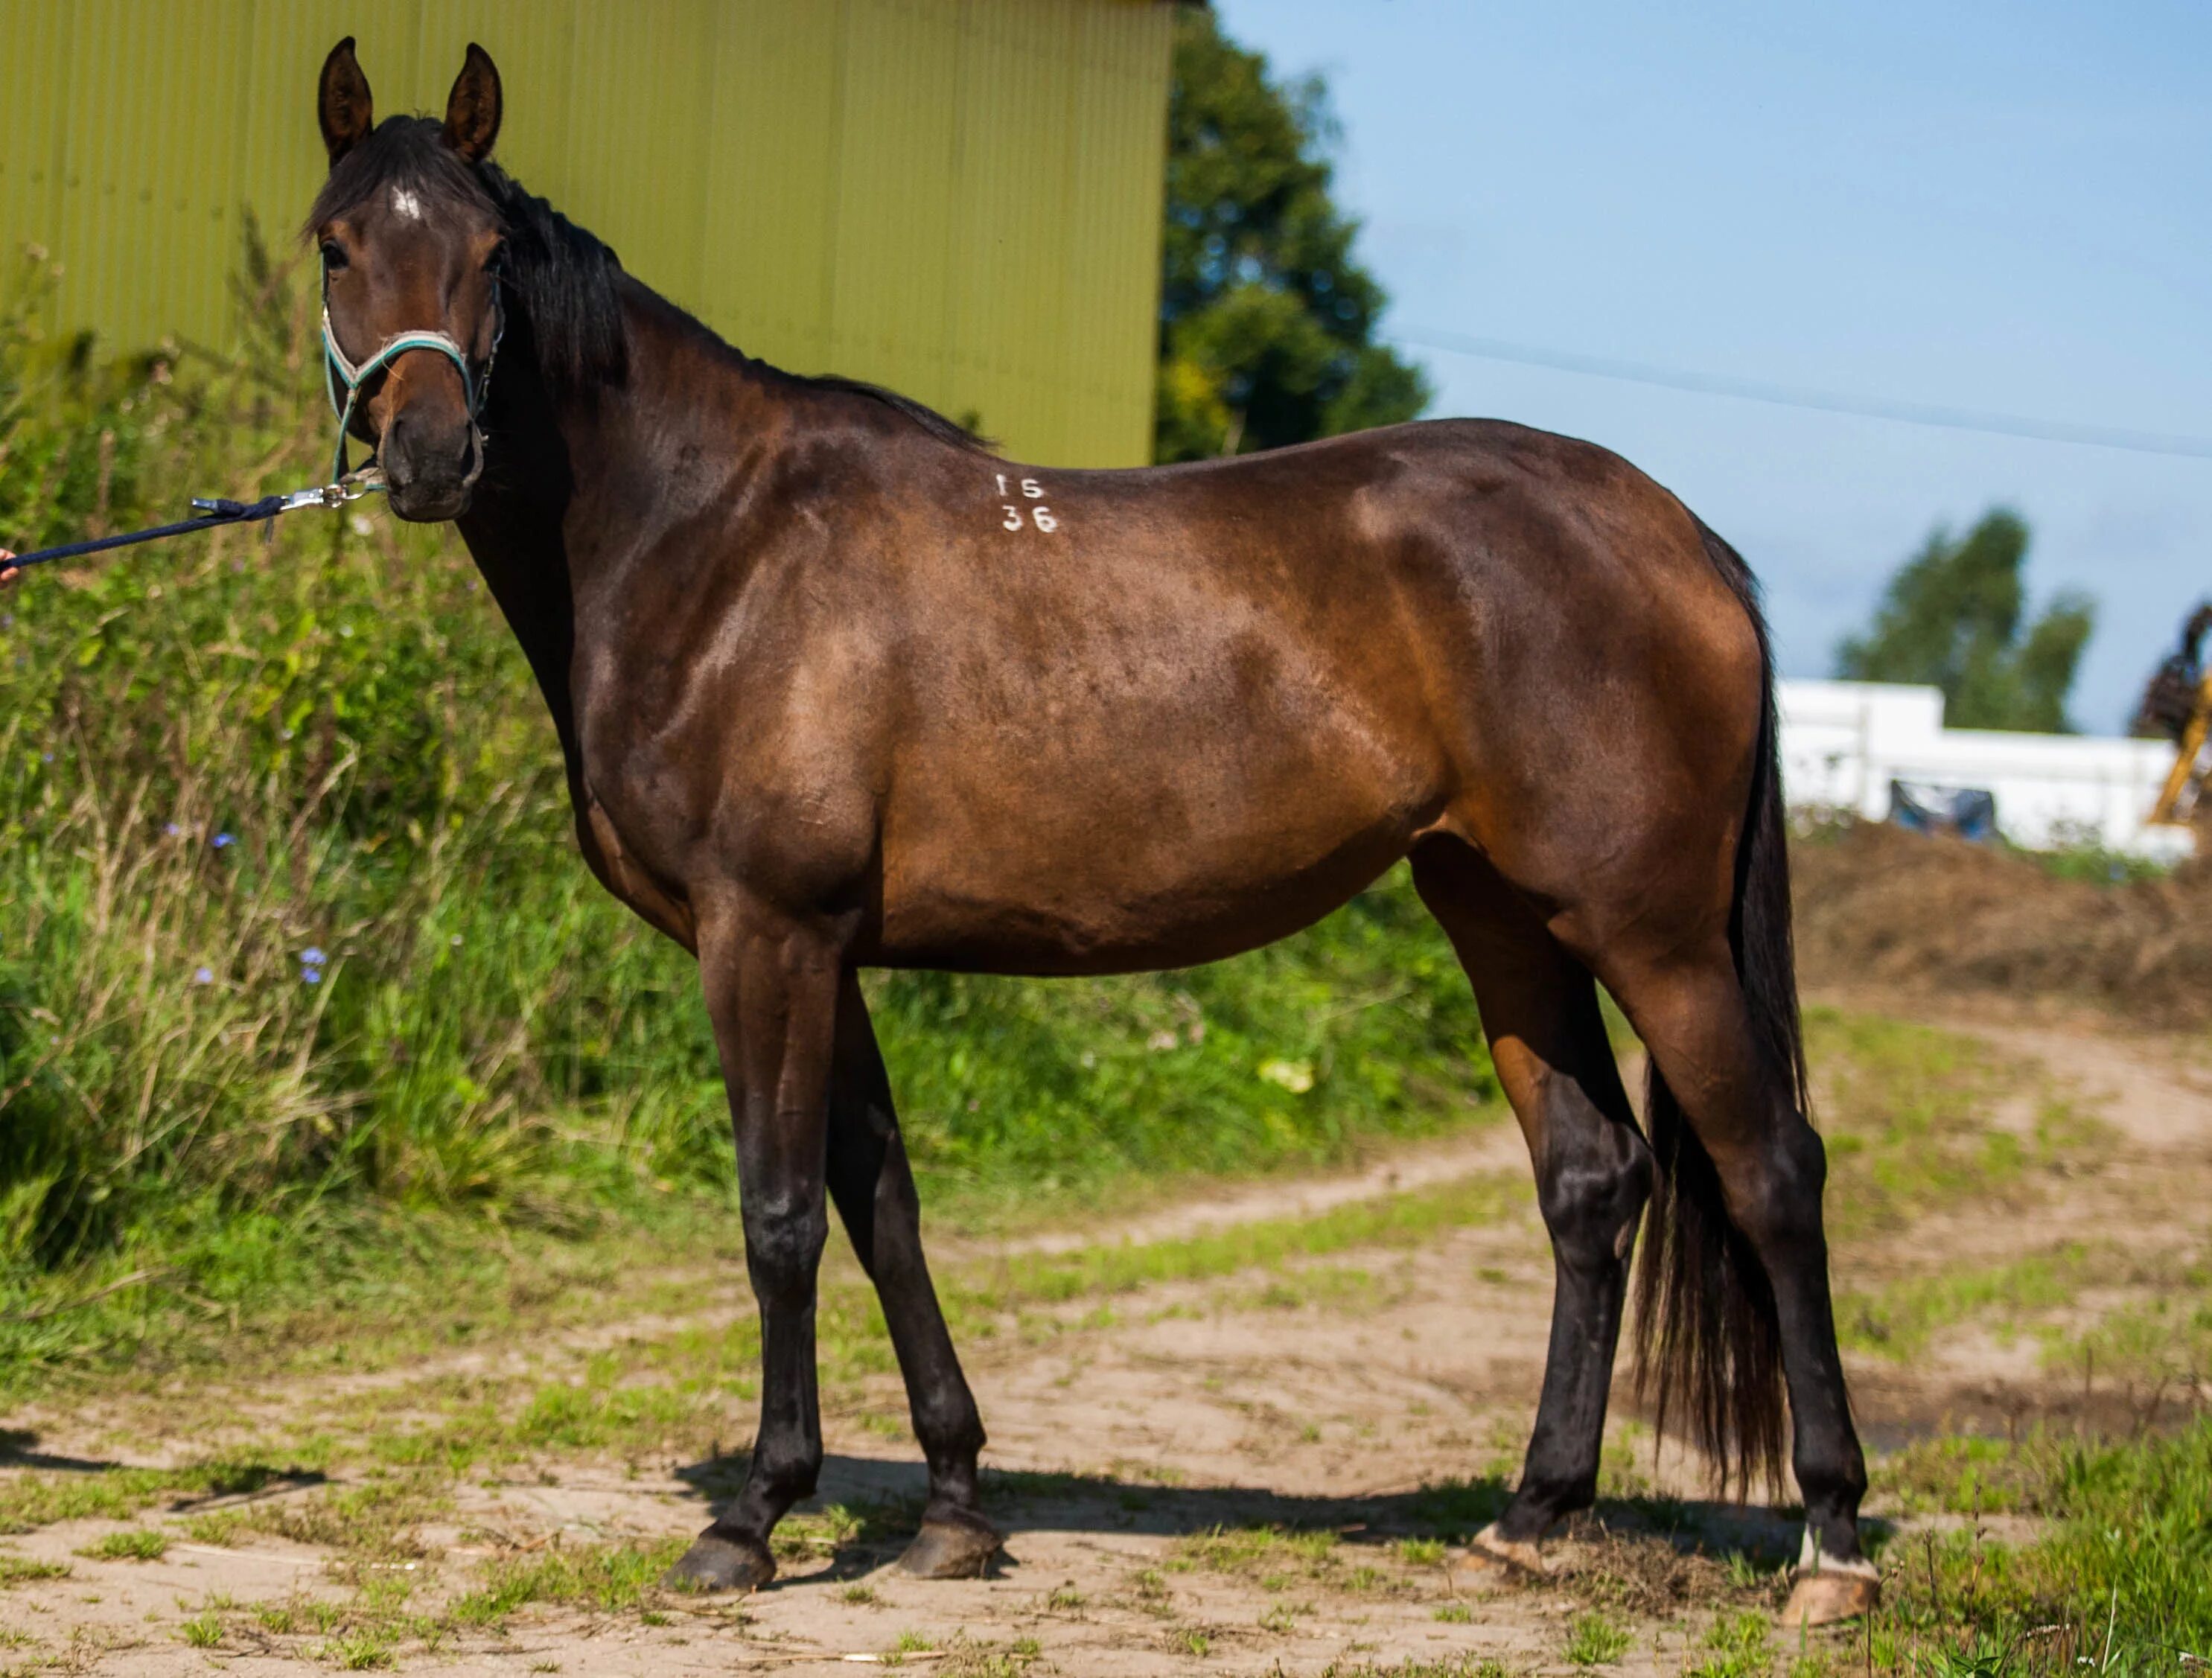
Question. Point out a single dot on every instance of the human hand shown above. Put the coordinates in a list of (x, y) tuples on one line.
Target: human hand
[(7, 572)]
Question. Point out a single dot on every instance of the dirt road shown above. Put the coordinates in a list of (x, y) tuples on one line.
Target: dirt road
[(1212, 1451)]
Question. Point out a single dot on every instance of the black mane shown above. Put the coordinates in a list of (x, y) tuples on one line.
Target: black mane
[(563, 279), (938, 425)]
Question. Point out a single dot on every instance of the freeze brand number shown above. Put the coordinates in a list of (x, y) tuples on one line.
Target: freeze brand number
[(1030, 509)]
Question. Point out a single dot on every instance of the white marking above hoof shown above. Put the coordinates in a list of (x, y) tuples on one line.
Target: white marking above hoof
[(1828, 1598), (1489, 1552)]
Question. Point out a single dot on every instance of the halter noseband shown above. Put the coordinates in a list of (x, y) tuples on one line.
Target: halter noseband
[(340, 373)]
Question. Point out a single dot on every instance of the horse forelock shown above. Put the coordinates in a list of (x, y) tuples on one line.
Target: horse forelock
[(561, 278)]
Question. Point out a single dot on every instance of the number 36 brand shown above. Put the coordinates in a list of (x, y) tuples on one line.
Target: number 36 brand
[(1029, 510)]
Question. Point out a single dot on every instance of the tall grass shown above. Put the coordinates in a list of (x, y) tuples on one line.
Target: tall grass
[(296, 952)]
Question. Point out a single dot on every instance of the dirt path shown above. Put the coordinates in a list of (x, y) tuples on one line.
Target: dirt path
[(1216, 1468)]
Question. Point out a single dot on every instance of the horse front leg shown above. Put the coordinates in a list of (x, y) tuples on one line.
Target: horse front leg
[(873, 1187), (771, 981)]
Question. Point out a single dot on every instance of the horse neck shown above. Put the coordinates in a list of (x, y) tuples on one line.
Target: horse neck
[(573, 484)]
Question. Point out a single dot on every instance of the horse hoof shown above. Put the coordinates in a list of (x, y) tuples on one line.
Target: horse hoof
[(717, 1562), (951, 1550), (1491, 1555), (1830, 1596)]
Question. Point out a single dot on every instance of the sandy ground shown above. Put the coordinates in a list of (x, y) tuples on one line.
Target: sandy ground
[(1327, 1402)]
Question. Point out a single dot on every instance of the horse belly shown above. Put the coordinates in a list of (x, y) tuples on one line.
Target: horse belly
[(1137, 858)]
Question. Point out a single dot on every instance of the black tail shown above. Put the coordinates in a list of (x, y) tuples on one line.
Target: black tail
[(1707, 1339)]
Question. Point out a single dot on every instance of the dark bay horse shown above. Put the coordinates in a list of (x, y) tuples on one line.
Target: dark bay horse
[(837, 687)]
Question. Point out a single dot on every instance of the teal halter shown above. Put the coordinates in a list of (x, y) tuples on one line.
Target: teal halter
[(343, 378)]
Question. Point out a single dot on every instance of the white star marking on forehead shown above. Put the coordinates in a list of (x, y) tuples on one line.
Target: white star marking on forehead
[(404, 203)]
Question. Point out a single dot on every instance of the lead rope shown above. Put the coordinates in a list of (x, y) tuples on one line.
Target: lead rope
[(215, 512)]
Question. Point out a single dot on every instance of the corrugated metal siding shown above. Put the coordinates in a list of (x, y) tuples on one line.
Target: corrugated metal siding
[(960, 198)]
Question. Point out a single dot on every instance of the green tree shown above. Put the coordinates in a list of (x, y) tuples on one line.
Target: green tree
[(1267, 323), (1954, 617)]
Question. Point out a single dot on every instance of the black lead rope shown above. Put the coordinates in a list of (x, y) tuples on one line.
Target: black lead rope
[(215, 513)]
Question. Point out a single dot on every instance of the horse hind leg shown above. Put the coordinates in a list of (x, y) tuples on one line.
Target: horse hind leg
[(1547, 1038), (1737, 1276), (872, 1186)]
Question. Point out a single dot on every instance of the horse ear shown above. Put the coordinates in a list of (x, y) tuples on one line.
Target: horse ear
[(472, 109), (343, 104)]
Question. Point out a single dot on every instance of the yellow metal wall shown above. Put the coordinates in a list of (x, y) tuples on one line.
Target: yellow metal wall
[(960, 198)]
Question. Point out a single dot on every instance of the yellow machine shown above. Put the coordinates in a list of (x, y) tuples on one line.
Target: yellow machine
[(2177, 800), (2178, 703)]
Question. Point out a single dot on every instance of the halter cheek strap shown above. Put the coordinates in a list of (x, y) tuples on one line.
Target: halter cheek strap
[(342, 377)]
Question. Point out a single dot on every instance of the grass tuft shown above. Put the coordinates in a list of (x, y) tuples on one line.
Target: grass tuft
[(1595, 1641), (28, 1570), (140, 1544)]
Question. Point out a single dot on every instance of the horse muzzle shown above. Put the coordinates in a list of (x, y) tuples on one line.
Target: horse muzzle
[(430, 466)]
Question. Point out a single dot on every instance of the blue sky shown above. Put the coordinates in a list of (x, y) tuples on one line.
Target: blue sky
[(1998, 207)]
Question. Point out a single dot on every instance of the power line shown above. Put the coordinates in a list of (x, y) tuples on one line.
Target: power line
[(1791, 395)]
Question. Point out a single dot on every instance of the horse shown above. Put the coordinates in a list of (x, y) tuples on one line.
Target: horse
[(838, 687)]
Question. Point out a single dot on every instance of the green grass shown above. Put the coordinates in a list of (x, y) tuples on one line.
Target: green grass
[(1903, 1109), (30, 1500), (1408, 1220), (2125, 1555), (2162, 1340), (1899, 1321)]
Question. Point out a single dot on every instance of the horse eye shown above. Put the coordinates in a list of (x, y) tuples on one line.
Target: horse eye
[(333, 258)]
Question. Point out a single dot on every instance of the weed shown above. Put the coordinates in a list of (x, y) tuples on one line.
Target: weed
[(1595, 1641), (1261, 1551), (375, 1521), (221, 1529), (1736, 1646), (1421, 1552), (139, 1544), (203, 1631), (613, 1578), (359, 1651), (24, 1570), (1454, 1614)]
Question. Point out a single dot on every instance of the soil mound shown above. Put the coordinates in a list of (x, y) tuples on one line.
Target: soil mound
[(1878, 905)]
